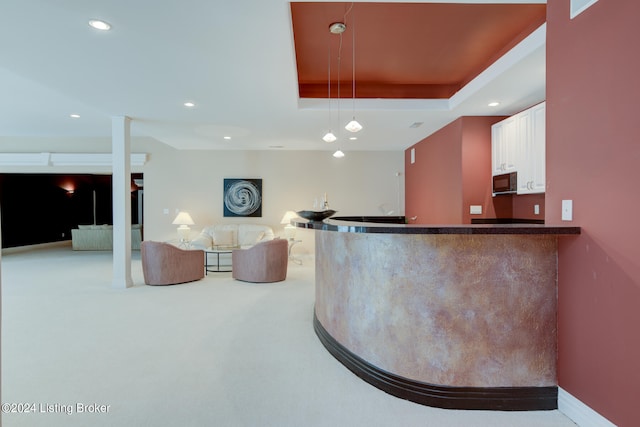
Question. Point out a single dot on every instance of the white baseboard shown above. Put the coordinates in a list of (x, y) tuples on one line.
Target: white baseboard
[(580, 413), (27, 248)]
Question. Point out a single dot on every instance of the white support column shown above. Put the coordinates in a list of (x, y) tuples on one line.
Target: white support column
[(121, 147), (1, 315)]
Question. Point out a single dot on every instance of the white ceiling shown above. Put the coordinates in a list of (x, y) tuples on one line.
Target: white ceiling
[(234, 59)]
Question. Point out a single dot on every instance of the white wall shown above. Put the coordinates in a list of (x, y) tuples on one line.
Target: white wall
[(193, 181), (190, 180)]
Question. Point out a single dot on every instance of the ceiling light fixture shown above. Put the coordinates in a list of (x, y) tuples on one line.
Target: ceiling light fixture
[(227, 138), (493, 104), (189, 104), (74, 116), (336, 28), (100, 25), (329, 136), (353, 125)]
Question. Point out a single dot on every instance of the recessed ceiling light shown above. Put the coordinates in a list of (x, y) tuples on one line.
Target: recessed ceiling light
[(494, 104), (353, 138), (74, 116), (227, 137), (189, 104), (100, 25)]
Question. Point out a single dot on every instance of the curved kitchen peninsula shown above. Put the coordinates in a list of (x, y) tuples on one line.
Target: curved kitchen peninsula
[(460, 317)]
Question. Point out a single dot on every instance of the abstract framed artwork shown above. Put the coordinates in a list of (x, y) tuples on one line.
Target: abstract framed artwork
[(242, 197)]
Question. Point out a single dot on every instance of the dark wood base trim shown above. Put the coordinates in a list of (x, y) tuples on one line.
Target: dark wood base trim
[(484, 398)]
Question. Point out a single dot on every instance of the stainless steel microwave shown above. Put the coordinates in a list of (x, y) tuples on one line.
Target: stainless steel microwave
[(506, 183)]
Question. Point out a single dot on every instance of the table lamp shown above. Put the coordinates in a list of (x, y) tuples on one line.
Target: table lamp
[(184, 221), (289, 229)]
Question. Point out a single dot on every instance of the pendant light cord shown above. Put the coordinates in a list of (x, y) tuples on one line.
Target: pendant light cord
[(339, 82), (329, 81), (353, 59), (353, 54)]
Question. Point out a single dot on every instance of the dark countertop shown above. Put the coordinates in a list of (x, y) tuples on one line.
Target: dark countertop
[(385, 228)]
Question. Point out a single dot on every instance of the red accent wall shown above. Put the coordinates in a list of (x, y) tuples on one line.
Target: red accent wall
[(453, 171), (593, 158), (523, 206), (476, 168), (434, 182)]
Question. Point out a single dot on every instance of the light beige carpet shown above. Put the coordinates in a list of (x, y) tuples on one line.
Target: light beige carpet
[(216, 352)]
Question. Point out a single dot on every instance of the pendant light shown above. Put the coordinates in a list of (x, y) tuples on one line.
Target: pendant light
[(329, 136), (353, 125), (337, 28)]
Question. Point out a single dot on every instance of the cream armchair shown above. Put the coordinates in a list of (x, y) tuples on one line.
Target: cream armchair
[(264, 262)]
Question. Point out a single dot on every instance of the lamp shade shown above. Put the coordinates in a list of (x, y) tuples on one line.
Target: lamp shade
[(288, 216), (183, 218), (289, 229), (353, 126), (329, 137)]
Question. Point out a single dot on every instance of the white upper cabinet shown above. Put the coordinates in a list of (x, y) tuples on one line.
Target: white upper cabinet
[(531, 174), (503, 146), (518, 145)]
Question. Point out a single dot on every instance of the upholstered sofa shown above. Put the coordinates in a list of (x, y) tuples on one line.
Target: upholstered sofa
[(232, 236), (100, 237)]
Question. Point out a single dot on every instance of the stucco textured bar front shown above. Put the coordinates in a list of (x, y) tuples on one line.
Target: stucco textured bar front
[(453, 310)]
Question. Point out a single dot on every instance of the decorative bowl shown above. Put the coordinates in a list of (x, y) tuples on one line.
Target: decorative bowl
[(316, 215)]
